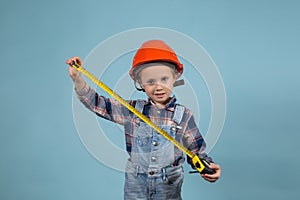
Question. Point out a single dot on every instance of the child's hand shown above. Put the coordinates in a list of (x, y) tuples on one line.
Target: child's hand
[(213, 177), (75, 74)]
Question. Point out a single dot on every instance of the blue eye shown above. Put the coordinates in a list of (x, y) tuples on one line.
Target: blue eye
[(150, 82), (165, 79)]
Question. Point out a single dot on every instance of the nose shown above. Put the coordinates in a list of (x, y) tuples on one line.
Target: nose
[(158, 87)]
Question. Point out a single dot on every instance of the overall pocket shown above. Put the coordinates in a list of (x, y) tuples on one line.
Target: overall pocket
[(142, 138), (174, 176)]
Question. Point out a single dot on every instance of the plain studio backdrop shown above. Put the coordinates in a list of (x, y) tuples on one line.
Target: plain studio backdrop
[(255, 45)]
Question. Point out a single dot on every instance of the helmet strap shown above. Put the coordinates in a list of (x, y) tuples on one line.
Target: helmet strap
[(178, 83)]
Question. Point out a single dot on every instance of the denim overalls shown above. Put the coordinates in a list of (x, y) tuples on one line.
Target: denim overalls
[(150, 173)]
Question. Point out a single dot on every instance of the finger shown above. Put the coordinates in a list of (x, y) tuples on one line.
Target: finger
[(209, 179), (69, 61), (214, 166), (73, 70), (75, 58), (211, 176), (217, 173)]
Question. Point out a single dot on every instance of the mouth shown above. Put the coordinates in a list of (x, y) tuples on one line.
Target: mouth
[(159, 95)]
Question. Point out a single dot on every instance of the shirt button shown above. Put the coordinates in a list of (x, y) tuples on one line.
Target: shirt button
[(173, 128), (154, 143), (153, 159), (151, 173), (158, 111), (137, 122)]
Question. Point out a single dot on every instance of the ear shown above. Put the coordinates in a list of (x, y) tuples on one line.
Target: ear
[(177, 75), (138, 88), (140, 83)]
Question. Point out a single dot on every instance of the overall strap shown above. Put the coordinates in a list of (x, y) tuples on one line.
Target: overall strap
[(139, 105), (178, 114)]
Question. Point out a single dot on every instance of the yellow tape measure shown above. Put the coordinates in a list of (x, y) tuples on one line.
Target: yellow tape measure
[(200, 164)]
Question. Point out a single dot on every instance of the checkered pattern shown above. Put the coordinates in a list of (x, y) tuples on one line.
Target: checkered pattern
[(112, 110)]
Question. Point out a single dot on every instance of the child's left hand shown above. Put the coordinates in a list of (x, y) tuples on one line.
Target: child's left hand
[(213, 177)]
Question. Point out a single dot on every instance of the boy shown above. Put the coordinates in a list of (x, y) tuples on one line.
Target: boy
[(154, 169)]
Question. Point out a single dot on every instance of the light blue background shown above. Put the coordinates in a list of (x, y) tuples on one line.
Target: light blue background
[(255, 45)]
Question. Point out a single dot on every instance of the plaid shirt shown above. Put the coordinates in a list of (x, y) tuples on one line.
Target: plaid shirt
[(112, 110)]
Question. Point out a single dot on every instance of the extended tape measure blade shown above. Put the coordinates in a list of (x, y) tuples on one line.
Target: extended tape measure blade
[(200, 166)]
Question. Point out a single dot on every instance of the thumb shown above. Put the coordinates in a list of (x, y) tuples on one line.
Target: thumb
[(214, 166)]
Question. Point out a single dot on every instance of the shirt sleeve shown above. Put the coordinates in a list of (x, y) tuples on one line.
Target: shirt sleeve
[(106, 108), (193, 140)]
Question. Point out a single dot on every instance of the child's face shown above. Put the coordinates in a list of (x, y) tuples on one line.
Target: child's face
[(157, 81)]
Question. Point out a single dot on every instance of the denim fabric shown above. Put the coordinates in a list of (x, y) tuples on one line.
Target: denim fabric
[(162, 185), (150, 149), (150, 173)]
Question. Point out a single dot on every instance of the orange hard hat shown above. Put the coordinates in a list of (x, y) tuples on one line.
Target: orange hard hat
[(155, 51)]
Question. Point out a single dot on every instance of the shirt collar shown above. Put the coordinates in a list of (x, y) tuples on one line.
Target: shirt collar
[(170, 105)]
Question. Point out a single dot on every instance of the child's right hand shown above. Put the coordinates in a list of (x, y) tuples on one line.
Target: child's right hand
[(75, 74)]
